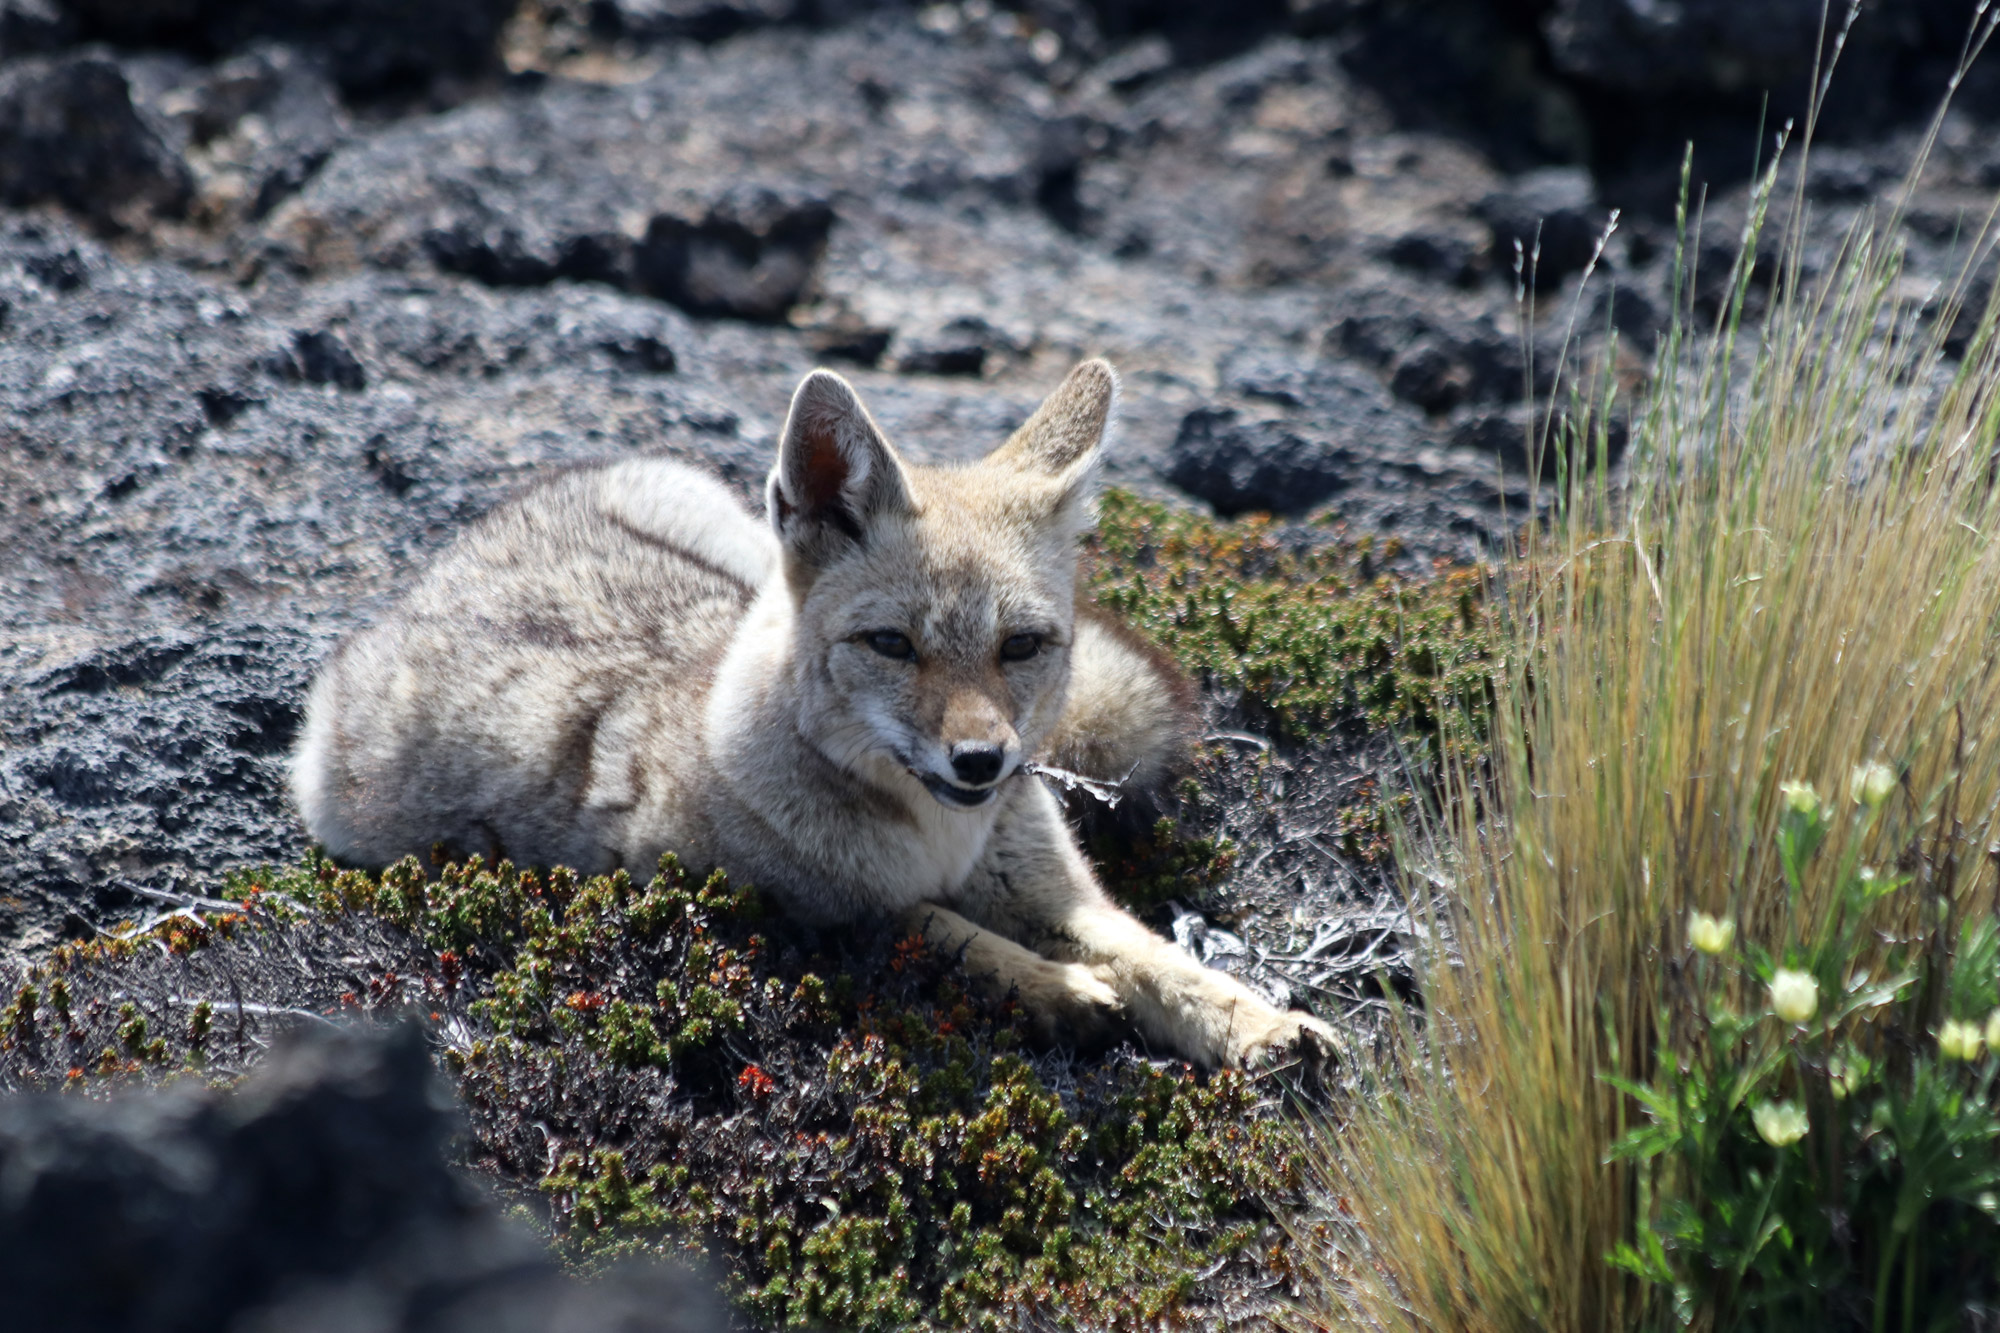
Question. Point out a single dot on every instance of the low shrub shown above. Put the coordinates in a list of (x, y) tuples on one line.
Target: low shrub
[(1298, 626)]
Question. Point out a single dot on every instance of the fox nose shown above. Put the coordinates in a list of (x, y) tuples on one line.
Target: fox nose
[(976, 762)]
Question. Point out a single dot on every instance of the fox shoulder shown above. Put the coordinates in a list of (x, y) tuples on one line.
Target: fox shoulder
[(1131, 712)]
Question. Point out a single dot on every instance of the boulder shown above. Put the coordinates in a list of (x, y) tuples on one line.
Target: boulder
[(317, 1195), (1240, 465), (69, 134)]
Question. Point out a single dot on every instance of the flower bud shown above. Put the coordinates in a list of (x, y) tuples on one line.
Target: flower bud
[(1709, 934), (1841, 1076), (1993, 1032), (1779, 1124), (1794, 995), (1800, 798), (1871, 784), (1959, 1041)]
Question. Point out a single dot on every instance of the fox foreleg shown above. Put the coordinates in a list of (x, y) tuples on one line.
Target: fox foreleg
[(1035, 886), (1065, 1001)]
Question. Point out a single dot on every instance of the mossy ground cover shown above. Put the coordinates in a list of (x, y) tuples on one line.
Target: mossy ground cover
[(1298, 626), (851, 1136)]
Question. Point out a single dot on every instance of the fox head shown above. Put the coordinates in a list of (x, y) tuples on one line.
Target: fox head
[(934, 606)]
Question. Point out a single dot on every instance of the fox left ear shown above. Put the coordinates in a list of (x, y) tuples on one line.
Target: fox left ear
[(1061, 440)]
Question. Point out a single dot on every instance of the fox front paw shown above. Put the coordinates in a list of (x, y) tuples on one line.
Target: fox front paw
[(1277, 1035), (1071, 1005)]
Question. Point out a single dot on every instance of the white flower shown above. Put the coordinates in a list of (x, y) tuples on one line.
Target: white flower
[(1710, 935), (1800, 798), (1779, 1124), (1993, 1032), (1960, 1041), (1794, 995), (1871, 784)]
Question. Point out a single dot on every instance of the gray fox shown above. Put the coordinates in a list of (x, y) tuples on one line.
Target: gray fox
[(836, 705)]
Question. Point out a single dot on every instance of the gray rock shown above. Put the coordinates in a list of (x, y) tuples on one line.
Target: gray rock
[(315, 1196), (69, 134), (751, 255)]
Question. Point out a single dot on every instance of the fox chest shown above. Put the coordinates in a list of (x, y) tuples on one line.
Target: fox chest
[(930, 860)]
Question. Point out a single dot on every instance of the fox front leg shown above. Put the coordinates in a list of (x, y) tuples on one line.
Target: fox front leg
[(1067, 1002), (1035, 886)]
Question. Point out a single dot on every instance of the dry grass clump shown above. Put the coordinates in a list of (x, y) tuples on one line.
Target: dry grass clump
[(1788, 1118)]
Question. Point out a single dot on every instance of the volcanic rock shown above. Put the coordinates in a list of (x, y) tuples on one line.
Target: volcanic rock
[(69, 134), (315, 1196)]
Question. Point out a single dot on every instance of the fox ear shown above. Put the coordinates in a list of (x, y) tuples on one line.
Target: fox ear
[(1061, 440), (835, 472)]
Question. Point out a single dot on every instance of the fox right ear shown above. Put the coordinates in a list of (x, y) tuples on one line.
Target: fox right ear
[(835, 472)]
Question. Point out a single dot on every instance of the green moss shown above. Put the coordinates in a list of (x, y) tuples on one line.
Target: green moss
[(1307, 632), (855, 1139), (1166, 861)]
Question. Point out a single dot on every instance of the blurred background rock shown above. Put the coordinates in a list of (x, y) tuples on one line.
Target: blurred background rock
[(314, 1197)]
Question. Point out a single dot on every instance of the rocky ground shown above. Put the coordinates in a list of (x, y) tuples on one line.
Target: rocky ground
[(284, 300)]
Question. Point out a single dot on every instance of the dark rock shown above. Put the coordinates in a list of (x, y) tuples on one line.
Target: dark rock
[(750, 256), (1431, 377), (1437, 359), (966, 345), (315, 1196), (503, 255), (1549, 219), (324, 359), (1504, 434), (1730, 46), (842, 335), (60, 271), (1837, 175), (1198, 30), (317, 356), (372, 47), (642, 351), (153, 752), (34, 27), (1476, 71), (69, 134), (1239, 466), (1436, 252), (1630, 311), (1525, 439)]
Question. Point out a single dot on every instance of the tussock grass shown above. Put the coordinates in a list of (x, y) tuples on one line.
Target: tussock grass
[(1802, 575)]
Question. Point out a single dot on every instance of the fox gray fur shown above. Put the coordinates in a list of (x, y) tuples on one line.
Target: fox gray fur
[(835, 705)]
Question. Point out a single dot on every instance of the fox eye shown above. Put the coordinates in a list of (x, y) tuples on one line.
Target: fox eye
[(891, 643), (1020, 647)]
